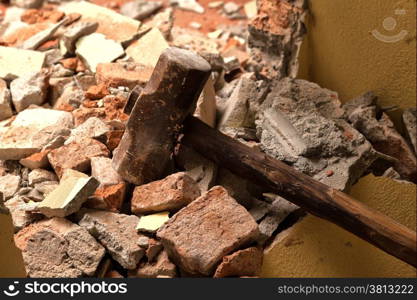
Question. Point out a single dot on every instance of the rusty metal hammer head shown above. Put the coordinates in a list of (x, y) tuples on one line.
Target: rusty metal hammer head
[(169, 96)]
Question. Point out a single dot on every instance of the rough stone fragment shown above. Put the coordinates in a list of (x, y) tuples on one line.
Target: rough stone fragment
[(117, 233), (93, 128), (29, 89), (113, 25), (168, 194), (68, 197), (95, 49), (76, 155), (247, 262), (171, 93), (190, 5), (199, 235), (123, 74), (364, 115), (41, 37), (140, 9), (275, 37), (161, 267), (9, 185), (301, 123), (22, 212), (409, 119), (41, 175), (72, 34), (5, 101), (147, 49), (58, 248), (202, 170), (152, 223)]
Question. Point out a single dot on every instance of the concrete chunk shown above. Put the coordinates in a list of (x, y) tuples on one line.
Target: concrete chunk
[(68, 197), (31, 131), (40, 175), (41, 37), (22, 212), (95, 49), (199, 235), (170, 194), (117, 233), (72, 34), (58, 248), (93, 128), (29, 61), (301, 123), (29, 89), (113, 25), (148, 48)]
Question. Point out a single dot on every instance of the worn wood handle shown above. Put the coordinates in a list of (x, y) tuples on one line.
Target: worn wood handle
[(308, 193)]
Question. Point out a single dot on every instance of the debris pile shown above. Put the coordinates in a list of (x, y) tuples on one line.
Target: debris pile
[(92, 100)]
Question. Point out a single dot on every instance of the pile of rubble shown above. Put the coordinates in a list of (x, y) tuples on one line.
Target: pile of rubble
[(69, 76)]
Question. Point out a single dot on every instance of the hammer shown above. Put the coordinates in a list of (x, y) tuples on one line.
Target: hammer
[(163, 109)]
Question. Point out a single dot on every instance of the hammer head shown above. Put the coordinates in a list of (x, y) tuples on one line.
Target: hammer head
[(169, 96)]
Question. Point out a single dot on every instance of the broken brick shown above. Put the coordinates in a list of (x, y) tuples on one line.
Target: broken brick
[(168, 194), (198, 236), (76, 156), (96, 92)]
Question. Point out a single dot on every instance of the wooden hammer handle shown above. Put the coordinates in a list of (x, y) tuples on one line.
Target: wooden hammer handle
[(308, 193)]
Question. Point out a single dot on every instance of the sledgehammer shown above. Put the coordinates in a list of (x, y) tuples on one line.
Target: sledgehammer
[(163, 110)]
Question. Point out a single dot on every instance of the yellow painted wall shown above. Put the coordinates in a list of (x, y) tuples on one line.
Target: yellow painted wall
[(11, 262), (341, 54)]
